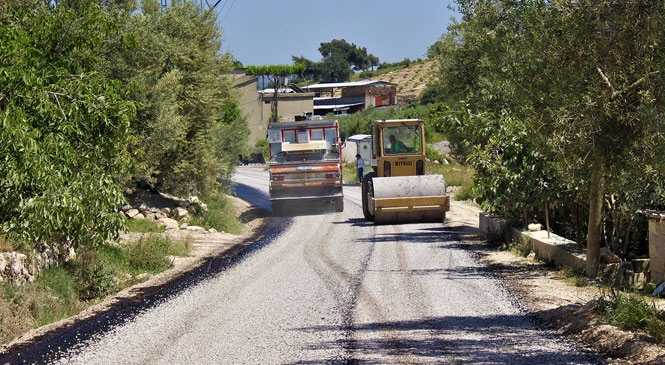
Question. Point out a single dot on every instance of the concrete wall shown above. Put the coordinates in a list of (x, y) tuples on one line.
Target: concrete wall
[(552, 248), (256, 107), (657, 249), (250, 104), (289, 105)]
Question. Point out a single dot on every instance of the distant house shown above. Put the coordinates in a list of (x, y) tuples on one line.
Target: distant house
[(305, 102), (293, 103), (351, 97)]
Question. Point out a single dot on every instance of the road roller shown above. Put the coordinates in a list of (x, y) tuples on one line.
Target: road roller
[(399, 190)]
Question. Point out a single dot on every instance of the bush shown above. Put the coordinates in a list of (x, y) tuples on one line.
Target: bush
[(149, 253), (94, 275), (632, 313), (522, 249), (220, 216), (144, 226), (575, 276)]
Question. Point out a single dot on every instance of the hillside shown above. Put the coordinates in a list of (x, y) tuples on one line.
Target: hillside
[(411, 80)]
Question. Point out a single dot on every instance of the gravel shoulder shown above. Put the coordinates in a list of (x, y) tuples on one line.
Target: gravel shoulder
[(553, 301)]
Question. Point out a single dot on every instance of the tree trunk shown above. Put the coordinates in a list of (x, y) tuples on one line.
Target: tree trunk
[(273, 106), (597, 192), (547, 219)]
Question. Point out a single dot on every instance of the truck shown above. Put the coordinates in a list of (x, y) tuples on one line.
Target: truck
[(399, 190), (305, 167)]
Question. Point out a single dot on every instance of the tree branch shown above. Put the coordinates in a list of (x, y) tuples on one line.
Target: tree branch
[(616, 93), (607, 81), (633, 85)]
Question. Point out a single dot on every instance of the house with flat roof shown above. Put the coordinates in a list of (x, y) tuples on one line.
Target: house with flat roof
[(350, 97), (293, 103), (307, 101)]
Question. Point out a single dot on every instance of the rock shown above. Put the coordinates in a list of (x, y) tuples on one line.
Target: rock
[(195, 228), (132, 213), (535, 227), (608, 257), (179, 213), (144, 208), (168, 223), (212, 230)]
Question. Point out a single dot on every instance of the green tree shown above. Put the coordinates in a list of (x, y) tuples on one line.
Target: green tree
[(181, 81), (63, 124), (339, 60), (587, 77)]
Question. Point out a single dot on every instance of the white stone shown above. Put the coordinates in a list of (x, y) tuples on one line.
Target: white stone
[(168, 223), (132, 213)]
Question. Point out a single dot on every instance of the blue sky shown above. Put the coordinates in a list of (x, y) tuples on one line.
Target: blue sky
[(266, 32)]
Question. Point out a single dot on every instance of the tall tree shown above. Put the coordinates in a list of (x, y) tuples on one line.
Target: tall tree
[(586, 76), (181, 81), (63, 124)]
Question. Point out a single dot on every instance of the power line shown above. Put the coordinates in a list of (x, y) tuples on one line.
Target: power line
[(229, 11)]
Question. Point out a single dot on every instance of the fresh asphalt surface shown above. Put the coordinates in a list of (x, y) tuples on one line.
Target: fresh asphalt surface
[(324, 288)]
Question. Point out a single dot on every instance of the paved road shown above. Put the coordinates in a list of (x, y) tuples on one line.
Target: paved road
[(334, 289)]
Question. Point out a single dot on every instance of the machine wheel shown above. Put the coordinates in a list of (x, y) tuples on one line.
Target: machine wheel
[(367, 195)]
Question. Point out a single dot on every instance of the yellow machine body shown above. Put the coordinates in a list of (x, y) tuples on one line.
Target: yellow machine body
[(399, 189)]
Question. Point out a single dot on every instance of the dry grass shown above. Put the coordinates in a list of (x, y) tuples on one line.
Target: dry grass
[(411, 81)]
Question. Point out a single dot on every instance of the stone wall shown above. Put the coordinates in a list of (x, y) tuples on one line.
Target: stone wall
[(18, 269)]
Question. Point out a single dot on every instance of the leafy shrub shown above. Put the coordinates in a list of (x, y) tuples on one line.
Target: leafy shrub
[(94, 275), (149, 253)]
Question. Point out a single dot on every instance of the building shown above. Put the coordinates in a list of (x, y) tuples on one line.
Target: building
[(314, 100), (255, 104), (350, 97)]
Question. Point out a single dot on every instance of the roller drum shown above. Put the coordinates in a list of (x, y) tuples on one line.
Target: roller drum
[(408, 186), (403, 199)]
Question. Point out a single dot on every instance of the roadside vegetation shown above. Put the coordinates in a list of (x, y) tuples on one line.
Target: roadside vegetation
[(63, 291), (97, 98), (566, 140), (632, 312), (570, 140)]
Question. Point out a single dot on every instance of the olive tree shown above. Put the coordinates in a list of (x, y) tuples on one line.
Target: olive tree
[(584, 78), (62, 124), (181, 78)]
